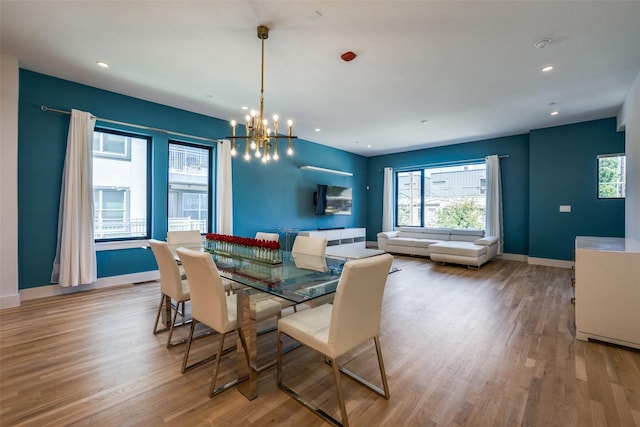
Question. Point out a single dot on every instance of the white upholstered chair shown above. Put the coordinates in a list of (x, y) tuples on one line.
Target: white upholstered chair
[(191, 239), (334, 330), (305, 247), (309, 245), (172, 285), (212, 307), (274, 237)]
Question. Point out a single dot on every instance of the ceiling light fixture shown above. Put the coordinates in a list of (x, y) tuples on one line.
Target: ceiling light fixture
[(554, 113), (541, 44), (259, 137), (548, 68), (102, 64)]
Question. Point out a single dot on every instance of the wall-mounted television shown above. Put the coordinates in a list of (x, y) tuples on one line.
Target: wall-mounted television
[(333, 200)]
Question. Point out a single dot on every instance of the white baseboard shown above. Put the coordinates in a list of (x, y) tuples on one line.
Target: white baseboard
[(103, 282), (8, 301), (513, 257), (551, 262)]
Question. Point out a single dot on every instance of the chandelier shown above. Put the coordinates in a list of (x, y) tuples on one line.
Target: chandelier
[(259, 137)]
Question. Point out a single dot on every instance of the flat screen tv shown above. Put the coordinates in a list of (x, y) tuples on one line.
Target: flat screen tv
[(333, 200)]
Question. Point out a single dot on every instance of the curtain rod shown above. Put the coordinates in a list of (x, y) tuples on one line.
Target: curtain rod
[(453, 162), (202, 138)]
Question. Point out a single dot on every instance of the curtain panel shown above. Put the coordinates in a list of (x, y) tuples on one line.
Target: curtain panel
[(387, 200), (224, 196), (493, 226), (75, 261)]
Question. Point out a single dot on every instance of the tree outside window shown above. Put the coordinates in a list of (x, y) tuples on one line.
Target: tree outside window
[(611, 176)]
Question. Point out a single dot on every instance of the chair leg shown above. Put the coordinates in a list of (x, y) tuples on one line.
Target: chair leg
[(336, 377), (279, 360), (155, 325), (315, 409), (384, 393), (173, 323), (214, 377), (186, 352), (383, 372)]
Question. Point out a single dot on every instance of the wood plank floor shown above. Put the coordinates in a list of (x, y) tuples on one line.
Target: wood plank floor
[(488, 347)]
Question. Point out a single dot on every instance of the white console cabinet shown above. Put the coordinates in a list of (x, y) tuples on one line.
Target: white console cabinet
[(608, 290), (347, 237)]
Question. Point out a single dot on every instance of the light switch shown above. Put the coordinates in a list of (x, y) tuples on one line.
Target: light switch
[(565, 208)]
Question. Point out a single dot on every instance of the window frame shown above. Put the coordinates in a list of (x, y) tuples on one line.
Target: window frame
[(210, 180), (149, 182), (424, 207), (624, 182)]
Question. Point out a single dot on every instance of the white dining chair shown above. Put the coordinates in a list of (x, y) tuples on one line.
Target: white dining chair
[(334, 330), (272, 237), (173, 287), (310, 245), (211, 307), (191, 239)]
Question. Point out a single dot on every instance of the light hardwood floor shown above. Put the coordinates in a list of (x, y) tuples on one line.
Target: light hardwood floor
[(488, 347)]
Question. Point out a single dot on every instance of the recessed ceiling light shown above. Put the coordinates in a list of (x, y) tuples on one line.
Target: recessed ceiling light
[(368, 145), (548, 68), (244, 107), (317, 129), (555, 113), (102, 64)]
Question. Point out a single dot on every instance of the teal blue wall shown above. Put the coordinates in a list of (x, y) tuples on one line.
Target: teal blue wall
[(563, 171), (515, 181), (545, 168), (265, 196)]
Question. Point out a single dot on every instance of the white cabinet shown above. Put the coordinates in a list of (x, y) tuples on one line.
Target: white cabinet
[(608, 290), (354, 237)]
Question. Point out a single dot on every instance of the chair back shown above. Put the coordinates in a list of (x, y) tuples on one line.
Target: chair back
[(191, 239), (208, 300), (310, 262), (309, 245), (170, 280), (273, 237), (357, 306)]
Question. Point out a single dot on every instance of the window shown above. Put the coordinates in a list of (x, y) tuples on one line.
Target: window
[(189, 189), (611, 176), (120, 185), (111, 145), (443, 197)]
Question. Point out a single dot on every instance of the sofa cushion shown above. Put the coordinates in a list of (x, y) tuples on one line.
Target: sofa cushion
[(401, 241), (458, 248), (466, 235), (489, 240)]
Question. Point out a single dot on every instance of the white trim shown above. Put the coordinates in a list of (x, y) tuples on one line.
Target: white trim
[(104, 282), (551, 262), (513, 257), (121, 244), (8, 301)]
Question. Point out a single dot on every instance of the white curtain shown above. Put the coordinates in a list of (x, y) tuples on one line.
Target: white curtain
[(224, 199), (75, 262), (493, 226), (387, 200)]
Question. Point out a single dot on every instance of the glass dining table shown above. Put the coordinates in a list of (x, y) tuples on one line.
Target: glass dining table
[(299, 278)]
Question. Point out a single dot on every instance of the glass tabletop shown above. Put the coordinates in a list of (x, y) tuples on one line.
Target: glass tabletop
[(298, 279)]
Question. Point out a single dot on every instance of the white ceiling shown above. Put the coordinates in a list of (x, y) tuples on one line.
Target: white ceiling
[(469, 68)]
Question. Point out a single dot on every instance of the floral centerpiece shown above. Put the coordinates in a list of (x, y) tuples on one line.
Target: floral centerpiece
[(267, 251)]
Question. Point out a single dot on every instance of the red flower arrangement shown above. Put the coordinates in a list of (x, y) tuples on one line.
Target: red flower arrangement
[(244, 241)]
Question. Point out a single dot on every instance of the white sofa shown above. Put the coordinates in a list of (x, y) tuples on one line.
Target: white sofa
[(466, 247)]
